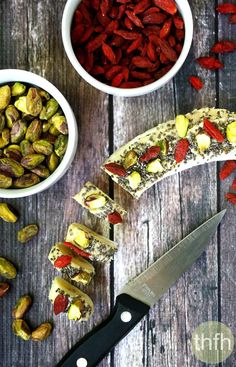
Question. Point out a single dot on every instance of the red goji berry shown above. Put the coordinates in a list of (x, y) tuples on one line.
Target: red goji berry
[(78, 17), (179, 34), (98, 70), (109, 53), (117, 80), (77, 33), (178, 22), (116, 168), (165, 30), (233, 186), (141, 6), (227, 169), (209, 62), (179, 48), (212, 130), (163, 71), (232, 19), (95, 4), (167, 5), (151, 10), (140, 75), (151, 153), (62, 261), (60, 304), (172, 41), (104, 6), (181, 150), (130, 85), (134, 19), (114, 12), (77, 250), (224, 47), (151, 52), (114, 218), (114, 70), (128, 24), (149, 81), (127, 35), (154, 18), (96, 43), (196, 82), (141, 62), (121, 11), (134, 45), (104, 20), (114, 24), (231, 197), (226, 8), (163, 58), (169, 52)]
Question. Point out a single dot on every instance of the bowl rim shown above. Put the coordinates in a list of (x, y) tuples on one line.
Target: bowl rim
[(19, 75), (68, 13)]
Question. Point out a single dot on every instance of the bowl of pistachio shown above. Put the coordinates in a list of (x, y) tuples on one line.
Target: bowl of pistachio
[(38, 134)]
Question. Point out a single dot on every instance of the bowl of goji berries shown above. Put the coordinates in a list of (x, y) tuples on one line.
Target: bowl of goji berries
[(127, 47)]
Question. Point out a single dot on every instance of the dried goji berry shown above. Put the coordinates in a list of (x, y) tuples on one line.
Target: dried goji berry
[(62, 261), (181, 150), (179, 34), (151, 10), (117, 80), (233, 186), (163, 71), (60, 304), (169, 52), (95, 4), (224, 47), (98, 70), (151, 52), (151, 153), (131, 85), (126, 34), (209, 62), (141, 62), (178, 22), (172, 41), (140, 75), (149, 81), (154, 18), (163, 58), (134, 19), (141, 6), (114, 70), (103, 19), (212, 130), (104, 6), (128, 24), (116, 168), (165, 30), (151, 29), (232, 19), (231, 197), (114, 12), (227, 169), (121, 11), (78, 17), (109, 53), (168, 5), (114, 218), (96, 43), (87, 34), (77, 250), (196, 82), (226, 8), (179, 48), (114, 24), (134, 45), (77, 33)]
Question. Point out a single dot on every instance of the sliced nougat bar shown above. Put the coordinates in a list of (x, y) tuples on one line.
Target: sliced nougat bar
[(100, 204), (94, 245)]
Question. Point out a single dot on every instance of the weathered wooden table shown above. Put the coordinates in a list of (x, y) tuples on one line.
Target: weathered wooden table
[(30, 39)]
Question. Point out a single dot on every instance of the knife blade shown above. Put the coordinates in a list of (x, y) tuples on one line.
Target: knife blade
[(136, 297)]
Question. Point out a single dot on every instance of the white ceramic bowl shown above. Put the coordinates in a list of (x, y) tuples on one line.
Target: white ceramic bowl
[(15, 75), (69, 11)]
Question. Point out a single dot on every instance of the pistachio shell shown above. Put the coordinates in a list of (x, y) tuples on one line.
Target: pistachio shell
[(18, 89), (5, 138), (61, 145), (43, 147), (34, 103), (60, 124), (27, 180), (7, 269), (49, 110), (27, 233), (41, 171), (18, 131), (11, 168), (30, 161), (52, 162), (26, 148), (5, 181), (34, 130), (12, 115), (5, 96)]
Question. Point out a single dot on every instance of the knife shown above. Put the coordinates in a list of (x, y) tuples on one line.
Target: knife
[(136, 297)]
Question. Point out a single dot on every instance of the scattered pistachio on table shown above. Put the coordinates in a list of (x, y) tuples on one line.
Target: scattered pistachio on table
[(42, 332), (21, 307), (33, 130), (21, 329), (6, 213), (27, 233), (4, 288), (7, 269)]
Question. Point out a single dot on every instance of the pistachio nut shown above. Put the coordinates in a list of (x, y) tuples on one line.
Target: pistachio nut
[(164, 145), (41, 171), (26, 148), (7, 214), (83, 239), (44, 95), (43, 147), (134, 180), (231, 132), (4, 288), (49, 137), (34, 130), (14, 152), (7, 269), (12, 115), (30, 161), (60, 124), (27, 233), (18, 131), (20, 104), (27, 180), (49, 110), (18, 89), (82, 277), (182, 124), (21, 307), (52, 162), (53, 130), (154, 166), (75, 310), (61, 145), (10, 167), (21, 329), (34, 103), (203, 141), (130, 160), (46, 126), (5, 181), (5, 138), (5, 96), (2, 122), (95, 201), (42, 332)]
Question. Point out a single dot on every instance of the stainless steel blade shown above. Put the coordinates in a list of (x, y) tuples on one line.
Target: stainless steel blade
[(149, 286)]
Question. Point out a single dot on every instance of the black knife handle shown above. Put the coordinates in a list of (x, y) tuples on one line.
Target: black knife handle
[(99, 342)]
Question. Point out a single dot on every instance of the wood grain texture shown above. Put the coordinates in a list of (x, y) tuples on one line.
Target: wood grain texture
[(30, 39)]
